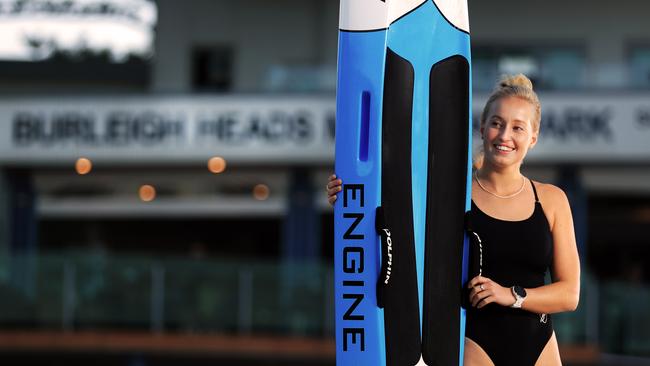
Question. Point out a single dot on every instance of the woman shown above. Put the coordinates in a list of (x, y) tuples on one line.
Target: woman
[(525, 228)]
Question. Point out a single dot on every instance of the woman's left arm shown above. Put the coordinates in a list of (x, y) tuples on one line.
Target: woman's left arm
[(564, 293)]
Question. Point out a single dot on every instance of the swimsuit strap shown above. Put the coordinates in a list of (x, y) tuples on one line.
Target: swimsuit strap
[(534, 190)]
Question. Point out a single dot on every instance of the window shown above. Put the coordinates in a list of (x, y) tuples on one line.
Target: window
[(212, 69), (551, 68), (301, 78), (640, 67)]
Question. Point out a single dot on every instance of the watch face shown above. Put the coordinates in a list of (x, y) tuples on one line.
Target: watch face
[(520, 291)]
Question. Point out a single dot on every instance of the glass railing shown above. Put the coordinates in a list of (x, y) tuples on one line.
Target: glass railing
[(612, 315), (166, 294), (557, 74), (87, 291)]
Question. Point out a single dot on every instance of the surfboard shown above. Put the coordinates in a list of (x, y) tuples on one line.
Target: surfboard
[(403, 139)]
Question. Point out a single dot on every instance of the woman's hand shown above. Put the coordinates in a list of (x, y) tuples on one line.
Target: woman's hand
[(333, 187), (485, 291)]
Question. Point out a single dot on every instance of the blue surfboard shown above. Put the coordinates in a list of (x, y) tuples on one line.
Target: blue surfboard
[(403, 139)]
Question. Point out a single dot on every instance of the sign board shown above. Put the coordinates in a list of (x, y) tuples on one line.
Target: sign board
[(285, 130), (167, 129)]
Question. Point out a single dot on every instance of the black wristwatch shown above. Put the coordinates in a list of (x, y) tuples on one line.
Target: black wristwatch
[(520, 295)]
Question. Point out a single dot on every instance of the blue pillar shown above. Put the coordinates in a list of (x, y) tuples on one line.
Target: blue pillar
[(23, 228), (4, 227), (569, 180), (301, 226), (300, 249)]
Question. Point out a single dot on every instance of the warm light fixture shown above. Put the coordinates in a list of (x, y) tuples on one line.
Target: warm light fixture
[(261, 192), (642, 215), (83, 166), (217, 164), (147, 192)]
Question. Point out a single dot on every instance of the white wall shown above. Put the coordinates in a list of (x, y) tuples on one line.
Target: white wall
[(267, 33), (605, 27), (262, 32)]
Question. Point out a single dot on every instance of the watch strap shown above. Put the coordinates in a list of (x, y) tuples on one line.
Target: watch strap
[(519, 300)]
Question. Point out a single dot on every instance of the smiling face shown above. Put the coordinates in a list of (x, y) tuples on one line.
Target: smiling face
[(508, 131)]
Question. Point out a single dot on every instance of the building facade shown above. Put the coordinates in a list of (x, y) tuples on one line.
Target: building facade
[(253, 82)]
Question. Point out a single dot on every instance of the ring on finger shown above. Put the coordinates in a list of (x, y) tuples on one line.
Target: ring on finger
[(481, 287)]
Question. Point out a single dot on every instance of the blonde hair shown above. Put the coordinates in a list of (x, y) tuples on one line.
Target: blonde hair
[(518, 86)]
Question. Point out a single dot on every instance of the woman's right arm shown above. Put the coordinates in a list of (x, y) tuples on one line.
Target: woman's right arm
[(333, 187)]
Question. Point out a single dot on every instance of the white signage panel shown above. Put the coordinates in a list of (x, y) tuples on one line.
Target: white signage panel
[(167, 129), (284, 130)]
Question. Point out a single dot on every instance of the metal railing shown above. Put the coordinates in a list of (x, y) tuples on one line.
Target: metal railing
[(167, 294), (87, 291)]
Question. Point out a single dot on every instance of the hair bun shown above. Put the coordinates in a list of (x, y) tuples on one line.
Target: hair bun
[(519, 80)]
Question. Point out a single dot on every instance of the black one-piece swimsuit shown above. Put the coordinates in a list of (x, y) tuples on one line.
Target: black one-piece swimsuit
[(514, 253)]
